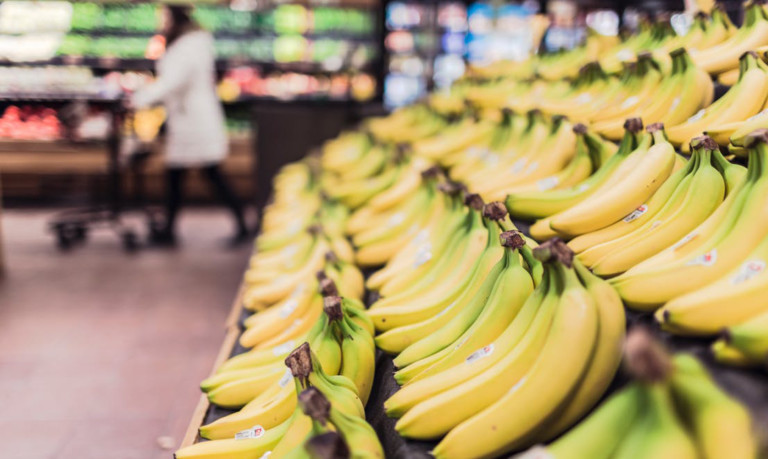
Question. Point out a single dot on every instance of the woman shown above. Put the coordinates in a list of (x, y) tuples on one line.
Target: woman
[(196, 135)]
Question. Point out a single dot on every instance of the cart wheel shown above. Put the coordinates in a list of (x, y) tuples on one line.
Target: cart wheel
[(63, 241), (80, 233), (130, 241)]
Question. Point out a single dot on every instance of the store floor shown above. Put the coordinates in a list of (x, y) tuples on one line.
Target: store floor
[(101, 352)]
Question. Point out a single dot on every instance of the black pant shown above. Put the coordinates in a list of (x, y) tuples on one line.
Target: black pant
[(175, 181)]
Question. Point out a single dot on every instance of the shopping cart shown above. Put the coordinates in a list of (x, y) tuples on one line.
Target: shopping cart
[(127, 152)]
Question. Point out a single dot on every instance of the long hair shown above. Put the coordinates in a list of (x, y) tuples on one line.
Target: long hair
[(181, 23)]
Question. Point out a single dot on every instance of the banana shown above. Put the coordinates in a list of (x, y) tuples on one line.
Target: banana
[(665, 435), (358, 434), (721, 426), (245, 448), (639, 183), (537, 395), (729, 355), (357, 349), (598, 436), (605, 360), (750, 338)]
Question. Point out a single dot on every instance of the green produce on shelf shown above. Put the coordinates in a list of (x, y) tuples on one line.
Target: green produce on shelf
[(86, 16)]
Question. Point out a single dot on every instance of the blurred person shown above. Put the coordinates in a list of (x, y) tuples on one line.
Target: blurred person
[(196, 132)]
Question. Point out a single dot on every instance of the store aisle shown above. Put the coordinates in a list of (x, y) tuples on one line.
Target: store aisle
[(100, 352)]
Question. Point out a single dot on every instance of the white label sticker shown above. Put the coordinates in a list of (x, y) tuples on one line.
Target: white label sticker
[(421, 237), (583, 98), (625, 55), (537, 452), (629, 101), (289, 250), (288, 308), (491, 159), (477, 152), (697, 116), (447, 308), (254, 432), (298, 290), (287, 377), (421, 258), (396, 219), (284, 348), (748, 270), (686, 239), (295, 227), (518, 165), (758, 115), (705, 259), (460, 343), (548, 183), (479, 354), (635, 214)]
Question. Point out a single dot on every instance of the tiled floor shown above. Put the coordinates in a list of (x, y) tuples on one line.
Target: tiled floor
[(101, 352)]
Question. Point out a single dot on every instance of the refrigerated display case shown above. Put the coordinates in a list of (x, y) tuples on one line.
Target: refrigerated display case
[(425, 45)]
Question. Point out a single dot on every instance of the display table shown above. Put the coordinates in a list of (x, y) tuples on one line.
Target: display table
[(749, 386)]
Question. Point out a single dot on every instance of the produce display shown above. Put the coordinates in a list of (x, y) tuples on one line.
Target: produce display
[(282, 41), (30, 123), (645, 198)]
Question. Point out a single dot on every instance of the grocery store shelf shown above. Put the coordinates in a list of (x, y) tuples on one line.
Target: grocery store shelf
[(230, 339), (148, 65)]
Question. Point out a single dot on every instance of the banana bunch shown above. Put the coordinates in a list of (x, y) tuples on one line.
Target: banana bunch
[(283, 426), (725, 55), (693, 277), (671, 99), (571, 325), (322, 429), (475, 318), (406, 125), (472, 252), (672, 409), (280, 275), (293, 317), (743, 100), (605, 159), (744, 344), (342, 337), (394, 217), (468, 132), (258, 387), (683, 202), (329, 401), (630, 184), (707, 30), (544, 149)]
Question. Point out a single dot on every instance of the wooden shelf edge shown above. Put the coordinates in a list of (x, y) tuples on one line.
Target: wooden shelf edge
[(191, 436)]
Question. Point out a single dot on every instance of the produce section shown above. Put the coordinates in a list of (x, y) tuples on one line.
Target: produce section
[(517, 249)]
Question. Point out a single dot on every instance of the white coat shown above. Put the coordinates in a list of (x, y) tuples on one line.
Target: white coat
[(185, 85)]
